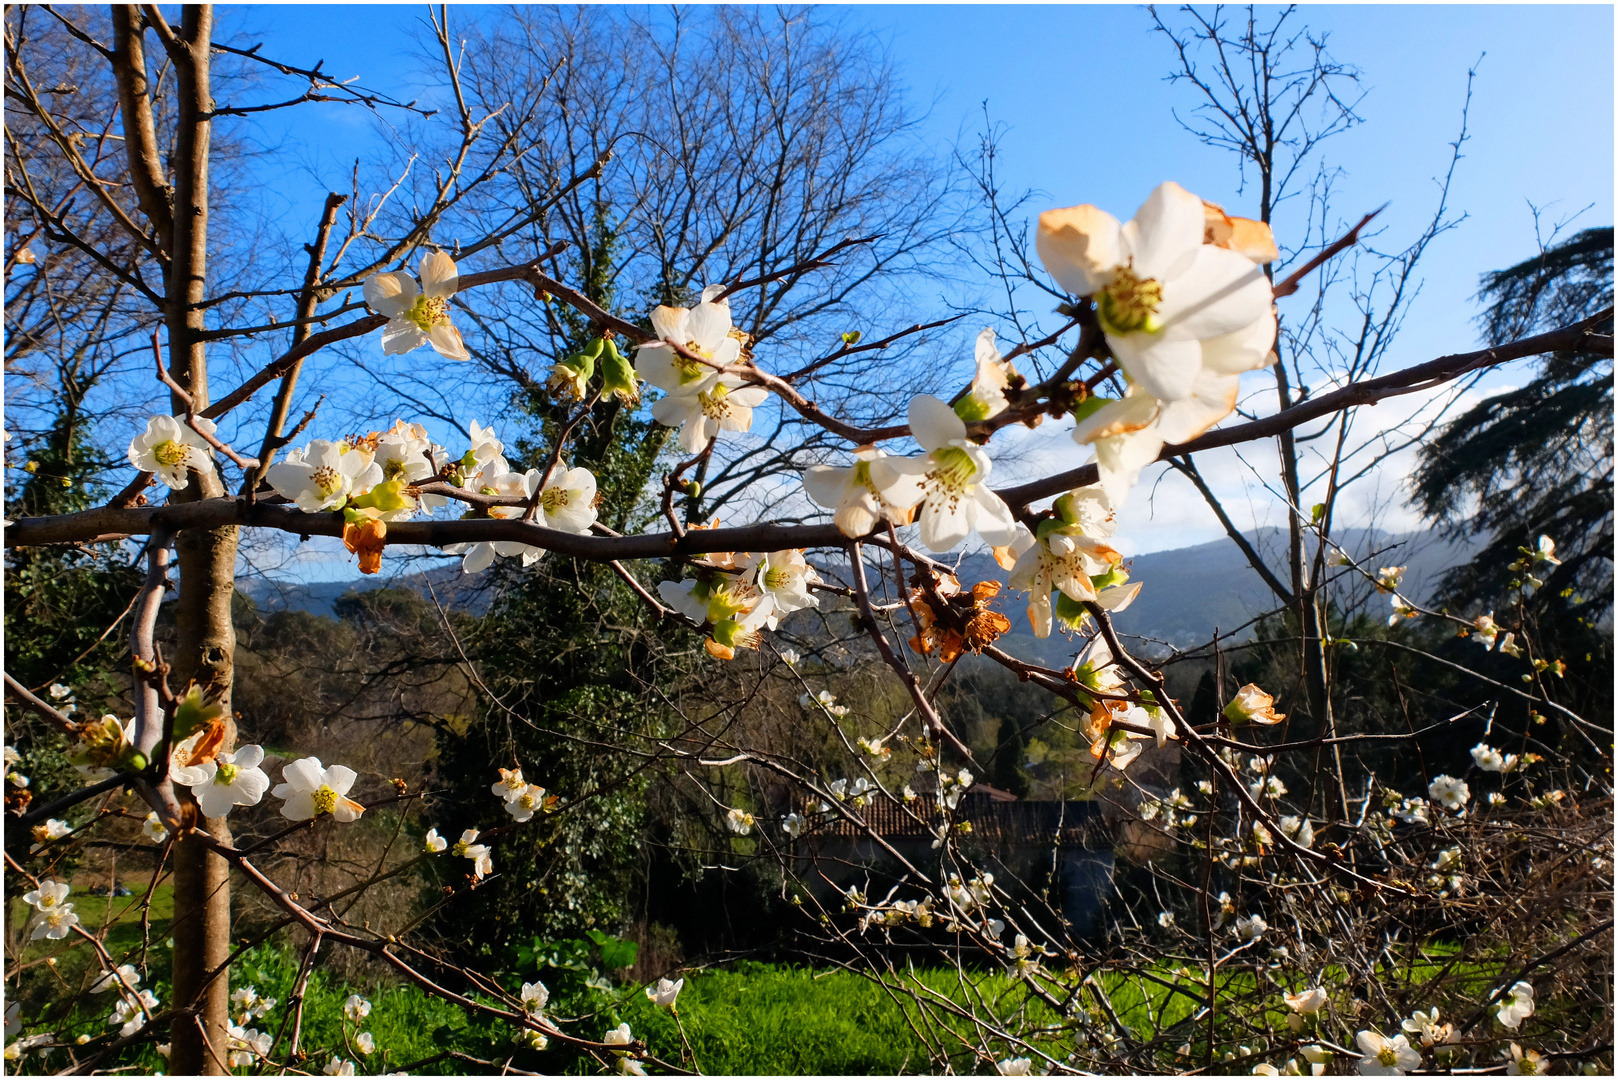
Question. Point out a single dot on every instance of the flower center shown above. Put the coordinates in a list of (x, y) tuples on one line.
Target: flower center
[(1130, 302), (459, 851), (862, 476), (325, 800), (555, 498), (225, 775), (428, 311), (327, 480), (392, 469), (777, 579), (714, 405), (1387, 1057), (953, 469), (170, 453)]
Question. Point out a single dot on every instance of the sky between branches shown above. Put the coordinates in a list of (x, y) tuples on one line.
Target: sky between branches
[(1541, 132)]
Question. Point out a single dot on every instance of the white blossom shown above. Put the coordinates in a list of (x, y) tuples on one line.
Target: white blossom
[(433, 844), (665, 993), (356, 1008), (229, 781), (323, 475), (153, 829), (171, 449), (1516, 1005), (418, 316), (949, 481), (468, 848), (534, 997), (1451, 793), (1384, 1056), (311, 790)]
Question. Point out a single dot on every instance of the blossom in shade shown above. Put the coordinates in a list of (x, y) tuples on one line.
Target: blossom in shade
[(152, 828), (1253, 705), (1307, 1001), (1450, 793), (356, 1008), (1516, 1005), (534, 997), (467, 847)]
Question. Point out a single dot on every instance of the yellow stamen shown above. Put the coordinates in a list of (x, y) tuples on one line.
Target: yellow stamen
[(325, 800), (225, 775), (1130, 302), (428, 311), (171, 453)]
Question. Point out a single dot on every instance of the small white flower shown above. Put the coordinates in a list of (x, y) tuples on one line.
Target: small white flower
[(1165, 919), (1491, 760), (125, 978), (170, 449), (1299, 829), (338, 1067), (784, 576), (418, 316), (618, 1036), (364, 1043), (703, 409), (793, 825), (58, 691), (665, 993), (1425, 1025), (1267, 787), (1384, 1056), (1401, 609), (433, 844), (153, 829), (850, 491), (1163, 293), (567, 500), (790, 656), (949, 481), (1497, 798), (323, 475), (311, 790), (1451, 793), (510, 785), (1526, 1062), (1253, 705), (527, 803), (739, 822), (131, 1012), (468, 848), (534, 997), (1545, 551), (50, 896), (1307, 1001), (229, 781), (1516, 1005), (1251, 927), (356, 1008), (1014, 1067)]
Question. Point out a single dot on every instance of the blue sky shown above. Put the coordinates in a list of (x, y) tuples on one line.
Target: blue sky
[(1541, 132)]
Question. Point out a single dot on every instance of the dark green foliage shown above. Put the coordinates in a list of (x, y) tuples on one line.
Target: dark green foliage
[(1539, 461), (59, 601)]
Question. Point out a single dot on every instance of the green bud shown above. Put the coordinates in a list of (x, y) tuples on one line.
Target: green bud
[(135, 761), (617, 376), (593, 349), (851, 338), (971, 410), (192, 713), (727, 632), (1088, 406), (1116, 576), (1317, 512), (1070, 611), (387, 497), (692, 488)]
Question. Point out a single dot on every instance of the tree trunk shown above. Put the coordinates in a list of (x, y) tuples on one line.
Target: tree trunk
[(206, 648)]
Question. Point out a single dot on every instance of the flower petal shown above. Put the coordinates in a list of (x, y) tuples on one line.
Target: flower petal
[(340, 778), (390, 294), (305, 774), (709, 326), (439, 276), (1247, 349), (447, 341), (995, 523), (1080, 246), (1212, 399), (1168, 225), (1217, 292), (946, 524), (934, 424), (401, 336), (1164, 368)]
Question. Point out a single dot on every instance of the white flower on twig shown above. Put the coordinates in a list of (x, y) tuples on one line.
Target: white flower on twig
[(170, 449), (418, 315)]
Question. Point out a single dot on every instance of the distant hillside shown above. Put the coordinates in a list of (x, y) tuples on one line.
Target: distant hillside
[(1187, 594)]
